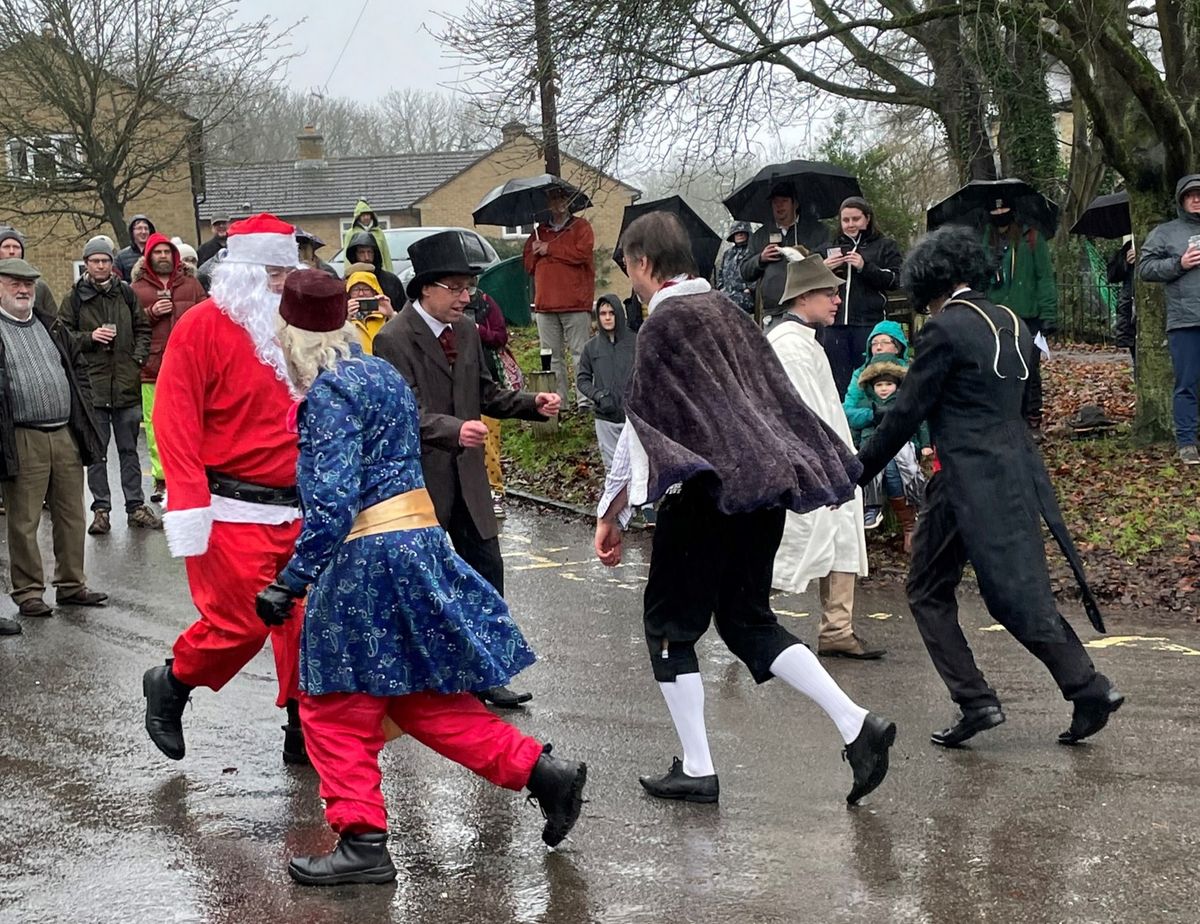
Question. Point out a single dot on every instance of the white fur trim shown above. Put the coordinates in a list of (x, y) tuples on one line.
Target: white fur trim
[(231, 510), (263, 249), (683, 286), (188, 531)]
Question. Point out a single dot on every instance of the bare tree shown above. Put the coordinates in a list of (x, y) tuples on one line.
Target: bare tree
[(100, 100)]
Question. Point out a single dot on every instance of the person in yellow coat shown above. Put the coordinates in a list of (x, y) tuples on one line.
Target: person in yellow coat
[(367, 308)]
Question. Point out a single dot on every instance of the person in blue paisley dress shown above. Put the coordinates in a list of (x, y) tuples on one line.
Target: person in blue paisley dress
[(397, 626)]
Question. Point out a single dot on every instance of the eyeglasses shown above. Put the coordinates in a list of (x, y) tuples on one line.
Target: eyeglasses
[(456, 291)]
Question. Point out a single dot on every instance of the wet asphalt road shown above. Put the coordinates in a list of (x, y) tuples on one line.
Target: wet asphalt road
[(96, 826)]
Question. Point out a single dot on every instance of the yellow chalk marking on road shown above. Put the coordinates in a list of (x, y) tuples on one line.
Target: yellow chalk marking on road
[(561, 548), (994, 627), (1121, 641), (791, 613), (879, 615), (571, 576), (1176, 649)]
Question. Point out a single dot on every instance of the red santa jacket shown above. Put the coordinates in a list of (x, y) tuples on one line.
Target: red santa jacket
[(218, 406), (564, 278)]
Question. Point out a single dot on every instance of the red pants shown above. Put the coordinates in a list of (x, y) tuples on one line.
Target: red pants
[(344, 734), (241, 560)]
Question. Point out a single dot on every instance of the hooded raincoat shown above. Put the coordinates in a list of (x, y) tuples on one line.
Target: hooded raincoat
[(388, 281), (384, 260), (606, 364), (127, 257), (1159, 262), (857, 407)]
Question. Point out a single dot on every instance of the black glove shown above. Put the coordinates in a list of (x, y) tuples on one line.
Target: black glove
[(1049, 327), (275, 603), (877, 415)]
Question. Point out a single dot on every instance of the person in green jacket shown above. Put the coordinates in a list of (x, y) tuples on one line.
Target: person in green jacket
[(112, 332), (1023, 282), (886, 337), (364, 220)]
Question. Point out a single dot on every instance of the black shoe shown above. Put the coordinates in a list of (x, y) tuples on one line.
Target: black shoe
[(164, 710), (1090, 716), (678, 785), (83, 597), (868, 755), (294, 751), (9, 626), (34, 607), (969, 724), (356, 858), (557, 785), (503, 697)]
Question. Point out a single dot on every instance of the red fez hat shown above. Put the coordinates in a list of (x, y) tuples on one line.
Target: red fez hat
[(313, 300)]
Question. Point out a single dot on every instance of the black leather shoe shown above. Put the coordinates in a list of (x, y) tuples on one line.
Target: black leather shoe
[(9, 626), (164, 710), (868, 755), (1090, 716), (503, 697), (83, 597), (678, 785), (356, 858), (294, 751), (969, 724), (557, 785)]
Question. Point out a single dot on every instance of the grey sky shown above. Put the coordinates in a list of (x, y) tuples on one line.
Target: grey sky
[(392, 48)]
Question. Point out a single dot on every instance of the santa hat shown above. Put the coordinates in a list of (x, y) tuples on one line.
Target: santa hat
[(262, 239)]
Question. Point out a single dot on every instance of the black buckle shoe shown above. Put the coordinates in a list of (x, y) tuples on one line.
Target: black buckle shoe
[(164, 710), (678, 785), (557, 785), (1090, 716), (868, 755), (969, 724), (357, 858), (503, 697), (294, 751)]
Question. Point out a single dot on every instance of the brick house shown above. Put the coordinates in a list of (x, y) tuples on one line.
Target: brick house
[(406, 190)]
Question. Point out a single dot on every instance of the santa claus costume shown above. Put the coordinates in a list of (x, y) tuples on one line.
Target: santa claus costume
[(220, 414)]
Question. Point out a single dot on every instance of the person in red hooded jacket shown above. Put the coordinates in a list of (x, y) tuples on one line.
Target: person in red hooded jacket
[(166, 287)]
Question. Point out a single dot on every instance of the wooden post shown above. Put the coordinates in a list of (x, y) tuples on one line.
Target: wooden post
[(542, 382)]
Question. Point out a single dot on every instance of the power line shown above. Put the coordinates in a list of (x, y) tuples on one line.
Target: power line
[(341, 53)]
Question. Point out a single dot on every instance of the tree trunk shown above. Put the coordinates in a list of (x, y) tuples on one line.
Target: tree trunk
[(1153, 422), (114, 214)]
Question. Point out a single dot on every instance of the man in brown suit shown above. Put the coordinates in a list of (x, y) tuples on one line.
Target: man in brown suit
[(438, 352)]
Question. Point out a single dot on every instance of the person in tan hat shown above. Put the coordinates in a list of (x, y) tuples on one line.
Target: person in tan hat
[(396, 624), (826, 544), (48, 433)]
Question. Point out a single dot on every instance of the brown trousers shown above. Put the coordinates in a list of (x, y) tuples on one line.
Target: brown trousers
[(837, 607), (50, 470)]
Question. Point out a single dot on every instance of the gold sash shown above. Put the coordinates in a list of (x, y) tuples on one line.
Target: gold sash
[(410, 510)]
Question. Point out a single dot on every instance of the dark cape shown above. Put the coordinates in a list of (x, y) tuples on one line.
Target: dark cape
[(709, 400), (967, 381)]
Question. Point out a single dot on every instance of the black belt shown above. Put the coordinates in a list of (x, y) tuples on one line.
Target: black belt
[(227, 486)]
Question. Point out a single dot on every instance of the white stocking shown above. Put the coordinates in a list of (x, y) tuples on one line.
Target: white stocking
[(685, 700), (799, 668)]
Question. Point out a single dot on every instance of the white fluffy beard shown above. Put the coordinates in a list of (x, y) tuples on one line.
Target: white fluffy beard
[(240, 291)]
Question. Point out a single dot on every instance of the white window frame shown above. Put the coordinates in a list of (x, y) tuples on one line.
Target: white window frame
[(383, 221), (516, 232), (49, 149), (77, 266)]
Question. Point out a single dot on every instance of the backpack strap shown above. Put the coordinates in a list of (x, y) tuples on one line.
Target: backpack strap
[(1016, 332)]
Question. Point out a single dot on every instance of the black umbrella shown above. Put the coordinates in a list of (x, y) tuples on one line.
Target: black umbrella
[(1106, 216), (705, 241), (818, 185), (523, 201), (971, 204)]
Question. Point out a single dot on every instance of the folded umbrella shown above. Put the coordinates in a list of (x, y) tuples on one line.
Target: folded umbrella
[(523, 201), (705, 241), (972, 204), (819, 186), (1105, 216)]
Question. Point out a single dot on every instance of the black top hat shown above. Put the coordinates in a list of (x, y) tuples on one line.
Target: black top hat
[(436, 257)]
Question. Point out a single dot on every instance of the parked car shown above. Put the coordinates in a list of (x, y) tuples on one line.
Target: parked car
[(398, 240)]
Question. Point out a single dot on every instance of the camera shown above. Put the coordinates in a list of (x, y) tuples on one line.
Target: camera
[(368, 306)]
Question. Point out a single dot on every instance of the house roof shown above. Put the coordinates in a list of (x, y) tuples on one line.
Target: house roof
[(330, 187)]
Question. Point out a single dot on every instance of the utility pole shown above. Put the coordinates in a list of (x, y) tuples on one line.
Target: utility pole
[(546, 76)]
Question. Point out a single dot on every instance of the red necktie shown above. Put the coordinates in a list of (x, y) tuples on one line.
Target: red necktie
[(449, 347)]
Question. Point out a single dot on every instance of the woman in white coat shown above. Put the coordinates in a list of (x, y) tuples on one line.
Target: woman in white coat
[(827, 545)]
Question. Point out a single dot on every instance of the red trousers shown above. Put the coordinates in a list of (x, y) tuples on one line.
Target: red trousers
[(241, 560), (344, 734)]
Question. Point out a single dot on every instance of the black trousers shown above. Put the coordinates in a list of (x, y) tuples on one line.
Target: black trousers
[(938, 559), (844, 346), (707, 564), (481, 554), (1031, 401)]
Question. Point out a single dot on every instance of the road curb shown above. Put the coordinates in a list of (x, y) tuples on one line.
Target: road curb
[(585, 513)]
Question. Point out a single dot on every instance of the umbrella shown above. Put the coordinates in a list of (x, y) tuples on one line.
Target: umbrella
[(821, 186), (1106, 216), (971, 205), (705, 241), (523, 201)]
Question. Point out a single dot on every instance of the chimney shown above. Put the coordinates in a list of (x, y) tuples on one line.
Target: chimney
[(511, 131), (310, 146)]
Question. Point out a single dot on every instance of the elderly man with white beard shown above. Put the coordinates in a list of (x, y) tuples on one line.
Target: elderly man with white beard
[(221, 414)]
